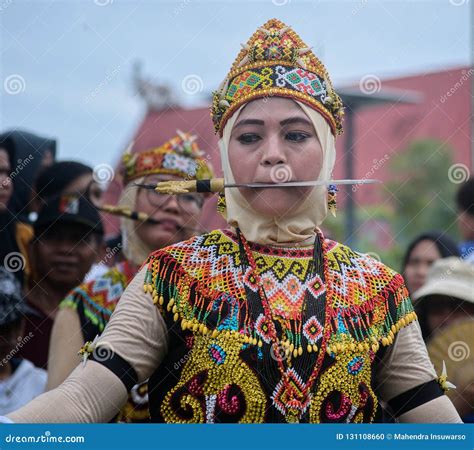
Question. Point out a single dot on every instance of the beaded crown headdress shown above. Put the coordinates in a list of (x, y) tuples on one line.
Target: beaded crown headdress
[(276, 62), (179, 156)]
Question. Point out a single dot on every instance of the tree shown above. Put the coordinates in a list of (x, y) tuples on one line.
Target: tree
[(422, 190)]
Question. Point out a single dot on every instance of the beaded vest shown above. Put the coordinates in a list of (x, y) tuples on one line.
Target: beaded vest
[(221, 364)]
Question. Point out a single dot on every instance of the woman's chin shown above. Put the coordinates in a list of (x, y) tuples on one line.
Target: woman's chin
[(160, 237), (275, 202)]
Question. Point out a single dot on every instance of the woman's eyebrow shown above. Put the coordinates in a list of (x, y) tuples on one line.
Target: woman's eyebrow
[(249, 122), (293, 120)]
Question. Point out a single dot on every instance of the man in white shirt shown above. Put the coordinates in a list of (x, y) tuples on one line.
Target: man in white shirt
[(20, 380)]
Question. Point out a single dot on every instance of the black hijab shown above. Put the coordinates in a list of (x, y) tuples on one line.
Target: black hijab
[(446, 247), (8, 243), (53, 180), (27, 151)]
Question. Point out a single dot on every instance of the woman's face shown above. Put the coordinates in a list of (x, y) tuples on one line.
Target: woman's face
[(6, 186), (443, 311), (82, 185), (419, 262), (274, 141), (85, 184), (47, 160), (178, 215)]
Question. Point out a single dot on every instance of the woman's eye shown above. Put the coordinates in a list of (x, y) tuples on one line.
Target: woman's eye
[(296, 136), (248, 138)]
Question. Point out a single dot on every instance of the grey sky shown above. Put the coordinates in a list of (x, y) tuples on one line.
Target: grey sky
[(71, 61)]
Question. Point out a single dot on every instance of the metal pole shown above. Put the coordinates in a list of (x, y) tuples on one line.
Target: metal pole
[(349, 168)]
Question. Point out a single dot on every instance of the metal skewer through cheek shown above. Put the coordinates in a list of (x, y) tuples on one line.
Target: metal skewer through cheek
[(218, 185), (136, 215)]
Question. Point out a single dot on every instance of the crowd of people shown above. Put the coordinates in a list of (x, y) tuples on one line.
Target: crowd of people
[(266, 321)]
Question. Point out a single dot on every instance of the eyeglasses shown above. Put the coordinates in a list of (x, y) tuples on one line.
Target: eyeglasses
[(187, 203)]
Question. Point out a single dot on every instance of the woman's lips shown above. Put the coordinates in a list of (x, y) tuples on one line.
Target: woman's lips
[(169, 224), (64, 265)]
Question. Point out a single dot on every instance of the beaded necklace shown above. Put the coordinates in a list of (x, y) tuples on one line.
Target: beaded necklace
[(295, 400)]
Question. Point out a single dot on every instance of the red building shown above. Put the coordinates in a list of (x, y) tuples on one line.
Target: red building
[(443, 113)]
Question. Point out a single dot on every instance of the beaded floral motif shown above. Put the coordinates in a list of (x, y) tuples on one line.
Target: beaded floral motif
[(178, 156), (279, 394), (313, 330), (199, 284), (213, 386)]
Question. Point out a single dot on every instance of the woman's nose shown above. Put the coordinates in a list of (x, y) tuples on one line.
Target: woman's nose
[(171, 206), (273, 153)]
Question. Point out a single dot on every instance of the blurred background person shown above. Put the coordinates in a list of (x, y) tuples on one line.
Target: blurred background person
[(422, 252), (445, 307), (30, 153), (20, 380), (67, 236), (87, 309), (14, 234), (465, 205), (66, 177), (71, 177)]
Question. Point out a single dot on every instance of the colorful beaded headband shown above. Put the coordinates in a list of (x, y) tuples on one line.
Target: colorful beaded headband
[(179, 156), (276, 62)]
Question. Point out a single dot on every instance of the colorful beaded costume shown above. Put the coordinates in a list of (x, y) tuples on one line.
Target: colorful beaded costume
[(263, 334), (94, 302), (223, 362)]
